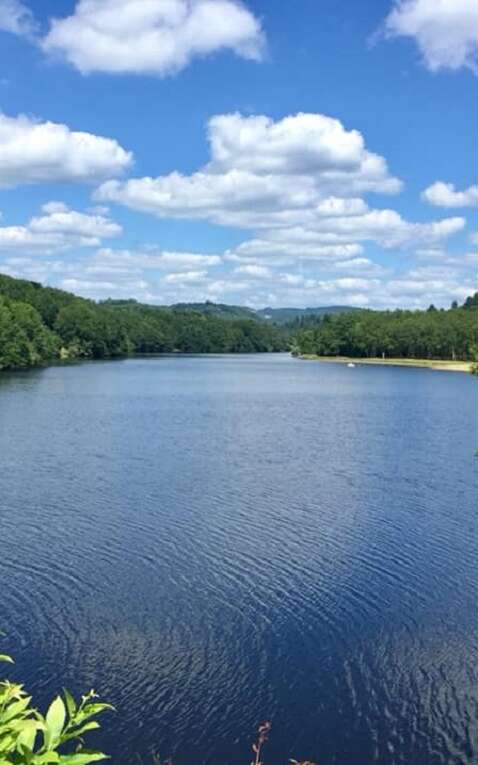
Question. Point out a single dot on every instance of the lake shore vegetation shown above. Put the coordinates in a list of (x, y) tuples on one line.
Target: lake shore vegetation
[(41, 325), (445, 339)]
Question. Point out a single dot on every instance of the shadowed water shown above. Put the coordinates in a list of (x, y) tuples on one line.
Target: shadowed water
[(210, 542)]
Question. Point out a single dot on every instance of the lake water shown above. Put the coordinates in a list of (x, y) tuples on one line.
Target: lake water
[(212, 542)]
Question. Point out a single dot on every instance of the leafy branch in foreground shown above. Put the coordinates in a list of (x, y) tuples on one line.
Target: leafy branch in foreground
[(29, 738)]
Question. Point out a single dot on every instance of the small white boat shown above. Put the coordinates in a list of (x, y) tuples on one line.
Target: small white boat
[(351, 365)]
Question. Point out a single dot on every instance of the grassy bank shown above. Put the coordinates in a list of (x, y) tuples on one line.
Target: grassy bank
[(436, 364)]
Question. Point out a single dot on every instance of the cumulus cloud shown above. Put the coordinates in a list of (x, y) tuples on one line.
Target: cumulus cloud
[(289, 251), (185, 277), (446, 195), (297, 183), (364, 266), (446, 31), (32, 151), (155, 258), (235, 198), (358, 281), (340, 238), (264, 173), (59, 229), (16, 18), (254, 270), (158, 37), (103, 289), (311, 145)]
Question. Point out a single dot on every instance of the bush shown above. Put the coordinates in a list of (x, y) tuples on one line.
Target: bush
[(28, 738)]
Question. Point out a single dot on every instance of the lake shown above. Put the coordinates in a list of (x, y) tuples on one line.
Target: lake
[(211, 542)]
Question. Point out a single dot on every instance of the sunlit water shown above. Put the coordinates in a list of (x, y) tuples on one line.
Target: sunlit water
[(211, 542)]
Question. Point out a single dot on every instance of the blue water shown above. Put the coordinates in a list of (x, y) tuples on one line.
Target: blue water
[(211, 542)]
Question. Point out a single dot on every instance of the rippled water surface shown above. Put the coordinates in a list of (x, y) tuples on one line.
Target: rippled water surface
[(210, 542)]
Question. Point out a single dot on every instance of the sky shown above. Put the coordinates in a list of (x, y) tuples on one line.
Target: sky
[(261, 153)]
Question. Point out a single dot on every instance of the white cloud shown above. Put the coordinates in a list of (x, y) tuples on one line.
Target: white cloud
[(340, 237), (423, 291), (159, 37), (185, 277), (155, 258), (388, 229), (223, 286), (364, 266), (235, 198), (253, 270), (311, 145), (446, 31), (264, 173), (16, 18), (54, 207), (103, 289), (291, 251), (58, 230), (445, 195), (356, 282), (296, 183), (32, 151)]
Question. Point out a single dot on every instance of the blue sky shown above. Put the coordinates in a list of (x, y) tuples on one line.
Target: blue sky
[(261, 153)]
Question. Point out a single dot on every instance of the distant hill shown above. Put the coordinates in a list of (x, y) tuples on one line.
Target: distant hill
[(219, 310), (286, 315), (279, 316)]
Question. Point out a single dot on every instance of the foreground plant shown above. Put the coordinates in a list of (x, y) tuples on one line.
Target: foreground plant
[(262, 739), (29, 738)]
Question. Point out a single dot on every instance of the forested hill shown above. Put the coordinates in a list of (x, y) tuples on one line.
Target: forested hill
[(282, 316), (431, 334), (40, 324), (279, 316), (220, 310)]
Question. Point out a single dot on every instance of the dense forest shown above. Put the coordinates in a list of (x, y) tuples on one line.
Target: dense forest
[(40, 324), (431, 334)]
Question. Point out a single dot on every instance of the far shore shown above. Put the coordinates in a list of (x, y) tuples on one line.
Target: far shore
[(436, 364)]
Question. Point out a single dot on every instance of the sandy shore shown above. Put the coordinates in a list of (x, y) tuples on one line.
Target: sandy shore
[(436, 364)]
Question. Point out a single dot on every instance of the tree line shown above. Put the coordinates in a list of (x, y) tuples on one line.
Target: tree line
[(41, 324), (432, 334)]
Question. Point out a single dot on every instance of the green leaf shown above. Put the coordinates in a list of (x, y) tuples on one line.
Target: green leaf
[(70, 703), (55, 720), (27, 737), (15, 710), (80, 731), (82, 758), (47, 757), (91, 710), (6, 659)]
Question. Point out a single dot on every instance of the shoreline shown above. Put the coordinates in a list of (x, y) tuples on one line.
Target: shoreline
[(438, 365)]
